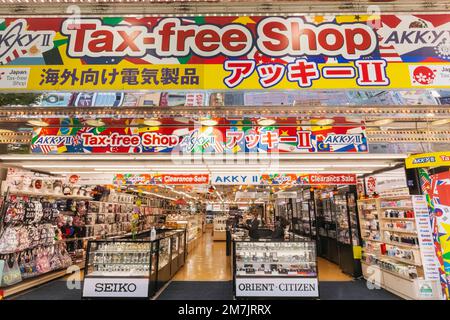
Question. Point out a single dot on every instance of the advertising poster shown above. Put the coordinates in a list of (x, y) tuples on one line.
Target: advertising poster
[(239, 137), (437, 190), (242, 52)]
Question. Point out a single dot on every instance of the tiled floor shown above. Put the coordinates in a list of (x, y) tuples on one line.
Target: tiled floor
[(207, 262)]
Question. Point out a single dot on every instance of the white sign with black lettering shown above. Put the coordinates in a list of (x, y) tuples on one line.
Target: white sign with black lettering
[(282, 287), (115, 287)]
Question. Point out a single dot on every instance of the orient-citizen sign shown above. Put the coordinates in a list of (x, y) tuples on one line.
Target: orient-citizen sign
[(267, 287), (115, 287)]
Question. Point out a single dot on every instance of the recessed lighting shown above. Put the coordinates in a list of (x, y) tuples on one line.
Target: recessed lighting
[(440, 122), (382, 122), (95, 122), (324, 122), (37, 123), (208, 122), (152, 122), (266, 122)]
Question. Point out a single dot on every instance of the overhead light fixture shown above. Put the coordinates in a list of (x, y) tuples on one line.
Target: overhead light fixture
[(38, 123), (6, 131), (266, 122), (324, 122), (152, 122), (208, 122), (440, 122), (95, 122), (382, 122), (435, 93)]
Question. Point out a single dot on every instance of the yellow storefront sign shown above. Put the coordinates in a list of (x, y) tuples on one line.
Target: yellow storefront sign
[(425, 160)]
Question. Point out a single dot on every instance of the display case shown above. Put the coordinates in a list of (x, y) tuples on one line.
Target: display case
[(220, 228), (347, 227), (275, 269), (133, 268), (120, 269), (326, 223)]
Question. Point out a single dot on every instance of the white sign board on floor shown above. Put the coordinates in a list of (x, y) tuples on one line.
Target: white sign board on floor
[(281, 287), (115, 288)]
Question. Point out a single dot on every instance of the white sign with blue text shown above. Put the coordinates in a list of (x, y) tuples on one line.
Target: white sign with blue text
[(235, 179)]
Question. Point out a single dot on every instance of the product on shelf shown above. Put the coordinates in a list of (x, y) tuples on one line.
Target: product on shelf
[(391, 243)]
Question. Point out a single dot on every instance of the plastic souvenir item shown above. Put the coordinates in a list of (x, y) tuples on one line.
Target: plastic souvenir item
[(48, 186), (67, 190), (9, 241), (27, 182), (37, 184), (11, 272), (57, 186)]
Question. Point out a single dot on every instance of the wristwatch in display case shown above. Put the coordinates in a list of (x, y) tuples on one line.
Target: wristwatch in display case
[(275, 259)]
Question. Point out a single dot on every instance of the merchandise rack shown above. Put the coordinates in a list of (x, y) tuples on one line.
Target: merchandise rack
[(373, 213)]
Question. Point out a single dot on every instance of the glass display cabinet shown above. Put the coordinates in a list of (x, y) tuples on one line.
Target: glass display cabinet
[(119, 269), (326, 221), (275, 269), (347, 227)]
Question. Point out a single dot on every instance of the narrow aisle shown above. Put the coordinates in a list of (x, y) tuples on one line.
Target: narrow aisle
[(207, 262)]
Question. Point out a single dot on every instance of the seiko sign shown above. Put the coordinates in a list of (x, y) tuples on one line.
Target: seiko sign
[(115, 287), (296, 287)]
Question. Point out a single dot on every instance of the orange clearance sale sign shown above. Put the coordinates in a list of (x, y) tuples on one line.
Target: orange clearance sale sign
[(157, 179)]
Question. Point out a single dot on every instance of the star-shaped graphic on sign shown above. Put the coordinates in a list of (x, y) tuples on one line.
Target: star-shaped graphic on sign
[(284, 133), (357, 17), (319, 19), (244, 20)]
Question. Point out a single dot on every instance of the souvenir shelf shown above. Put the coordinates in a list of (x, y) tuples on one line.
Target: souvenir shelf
[(69, 221), (391, 251)]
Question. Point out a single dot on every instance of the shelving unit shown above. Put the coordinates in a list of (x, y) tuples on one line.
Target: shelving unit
[(220, 228), (394, 265)]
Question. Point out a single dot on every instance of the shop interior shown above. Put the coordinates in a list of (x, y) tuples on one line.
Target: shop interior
[(76, 204)]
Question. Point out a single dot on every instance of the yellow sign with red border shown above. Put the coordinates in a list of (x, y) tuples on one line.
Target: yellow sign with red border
[(426, 160)]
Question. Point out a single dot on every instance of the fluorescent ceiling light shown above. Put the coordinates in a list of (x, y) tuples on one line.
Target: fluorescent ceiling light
[(440, 122), (266, 122), (181, 157), (152, 122), (324, 122), (208, 122), (6, 131), (38, 123), (95, 122)]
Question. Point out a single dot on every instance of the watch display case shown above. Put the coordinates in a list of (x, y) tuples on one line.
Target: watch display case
[(136, 262), (274, 263), (119, 269)]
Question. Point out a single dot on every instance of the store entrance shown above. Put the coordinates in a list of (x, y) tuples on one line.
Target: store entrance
[(328, 215), (192, 229)]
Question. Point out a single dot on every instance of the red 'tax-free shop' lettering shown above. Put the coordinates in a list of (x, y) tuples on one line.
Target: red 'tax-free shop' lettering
[(171, 37)]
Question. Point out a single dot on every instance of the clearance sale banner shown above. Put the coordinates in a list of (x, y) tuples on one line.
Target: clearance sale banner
[(156, 179), (241, 52), (229, 139)]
